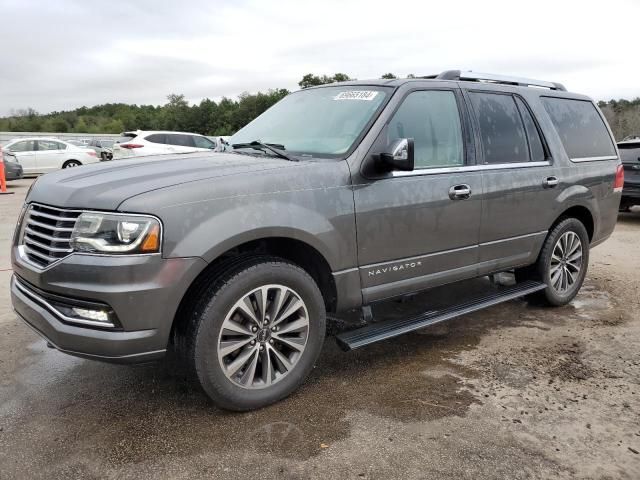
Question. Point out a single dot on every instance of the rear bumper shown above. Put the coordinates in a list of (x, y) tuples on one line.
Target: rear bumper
[(631, 190)]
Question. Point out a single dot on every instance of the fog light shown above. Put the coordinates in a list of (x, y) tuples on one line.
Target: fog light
[(95, 315)]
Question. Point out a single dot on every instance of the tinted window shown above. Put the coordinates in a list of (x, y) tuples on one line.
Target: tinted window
[(23, 146), (581, 129), (50, 145), (180, 140), (536, 146), (125, 137), (157, 138), (432, 119), (501, 128), (202, 142), (106, 143)]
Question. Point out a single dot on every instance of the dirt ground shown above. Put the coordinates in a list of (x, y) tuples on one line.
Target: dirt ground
[(512, 392)]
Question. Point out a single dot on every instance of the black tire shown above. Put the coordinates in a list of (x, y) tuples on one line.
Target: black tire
[(541, 270), (204, 331), (71, 164), (104, 156)]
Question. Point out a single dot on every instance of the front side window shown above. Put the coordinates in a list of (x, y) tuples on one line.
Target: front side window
[(501, 128), (203, 142), (581, 128), (323, 122), (23, 146), (432, 119)]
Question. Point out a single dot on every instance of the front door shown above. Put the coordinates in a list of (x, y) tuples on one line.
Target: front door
[(420, 229), (25, 152)]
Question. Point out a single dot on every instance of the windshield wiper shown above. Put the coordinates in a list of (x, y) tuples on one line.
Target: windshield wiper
[(274, 148)]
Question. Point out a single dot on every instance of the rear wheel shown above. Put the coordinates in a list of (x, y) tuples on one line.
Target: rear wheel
[(71, 164), (104, 156), (562, 263), (256, 332)]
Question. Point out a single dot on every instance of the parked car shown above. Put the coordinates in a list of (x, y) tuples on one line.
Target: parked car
[(42, 155), (144, 143), (103, 148), (630, 155), (12, 169), (335, 198)]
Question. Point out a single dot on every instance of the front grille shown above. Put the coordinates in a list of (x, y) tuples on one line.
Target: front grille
[(46, 232)]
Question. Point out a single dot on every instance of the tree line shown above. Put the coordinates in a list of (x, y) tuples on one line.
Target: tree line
[(226, 116)]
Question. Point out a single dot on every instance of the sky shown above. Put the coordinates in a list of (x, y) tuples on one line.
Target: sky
[(63, 54)]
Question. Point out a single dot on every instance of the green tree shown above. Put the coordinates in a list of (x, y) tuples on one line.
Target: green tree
[(389, 76)]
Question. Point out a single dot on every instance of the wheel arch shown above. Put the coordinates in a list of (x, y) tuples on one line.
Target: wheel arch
[(293, 250), (579, 212)]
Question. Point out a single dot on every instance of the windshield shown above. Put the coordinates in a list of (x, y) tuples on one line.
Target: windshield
[(318, 122)]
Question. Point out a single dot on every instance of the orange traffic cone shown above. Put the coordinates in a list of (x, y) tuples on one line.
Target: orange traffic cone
[(3, 181)]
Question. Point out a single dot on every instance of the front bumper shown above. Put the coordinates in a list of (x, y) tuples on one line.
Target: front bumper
[(144, 292)]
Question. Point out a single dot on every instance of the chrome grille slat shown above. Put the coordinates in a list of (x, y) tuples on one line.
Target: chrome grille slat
[(44, 225), (53, 217), (31, 232), (46, 233), (30, 241)]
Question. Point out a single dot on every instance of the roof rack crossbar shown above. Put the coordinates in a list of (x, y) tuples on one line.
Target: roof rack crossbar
[(492, 78)]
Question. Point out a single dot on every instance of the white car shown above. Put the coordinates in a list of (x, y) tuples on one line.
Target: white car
[(142, 143), (42, 155)]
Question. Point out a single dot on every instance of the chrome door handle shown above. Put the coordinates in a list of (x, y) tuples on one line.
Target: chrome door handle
[(460, 192), (550, 182)]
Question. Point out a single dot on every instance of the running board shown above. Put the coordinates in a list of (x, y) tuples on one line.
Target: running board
[(392, 328)]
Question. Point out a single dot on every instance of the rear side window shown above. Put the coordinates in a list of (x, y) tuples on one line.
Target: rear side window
[(536, 146), (157, 138), (629, 152), (581, 128), (501, 128), (180, 140), (50, 145)]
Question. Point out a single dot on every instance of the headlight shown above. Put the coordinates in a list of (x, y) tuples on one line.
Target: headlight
[(109, 233)]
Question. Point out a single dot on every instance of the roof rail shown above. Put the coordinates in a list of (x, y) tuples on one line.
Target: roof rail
[(492, 78)]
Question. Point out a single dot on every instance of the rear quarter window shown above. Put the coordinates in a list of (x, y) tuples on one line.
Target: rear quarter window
[(581, 128)]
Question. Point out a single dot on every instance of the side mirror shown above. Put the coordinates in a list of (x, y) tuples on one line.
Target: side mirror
[(400, 157)]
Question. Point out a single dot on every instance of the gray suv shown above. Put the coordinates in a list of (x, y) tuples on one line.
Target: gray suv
[(334, 199)]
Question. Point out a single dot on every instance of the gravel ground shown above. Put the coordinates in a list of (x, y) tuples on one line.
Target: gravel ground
[(512, 392)]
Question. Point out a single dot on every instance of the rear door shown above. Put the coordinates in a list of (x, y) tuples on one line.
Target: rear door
[(519, 178), (419, 229), (50, 155), (25, 152)]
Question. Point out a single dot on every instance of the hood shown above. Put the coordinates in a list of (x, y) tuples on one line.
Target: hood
[(104, 186)]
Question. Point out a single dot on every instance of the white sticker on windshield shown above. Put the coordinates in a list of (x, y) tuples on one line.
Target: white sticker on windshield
[(367, 95)]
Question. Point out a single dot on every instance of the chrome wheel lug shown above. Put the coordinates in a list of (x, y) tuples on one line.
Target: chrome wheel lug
[(261, 347), (253, 342), (271, 341), (254, 329), (266, 322)]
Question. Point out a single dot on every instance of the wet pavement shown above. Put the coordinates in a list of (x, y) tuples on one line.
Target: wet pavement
[(515, 391)]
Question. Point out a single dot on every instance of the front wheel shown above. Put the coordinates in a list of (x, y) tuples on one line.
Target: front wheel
[(257, 333), (562, 263)]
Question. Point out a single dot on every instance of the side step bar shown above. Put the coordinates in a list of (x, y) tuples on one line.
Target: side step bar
[(384, 330)]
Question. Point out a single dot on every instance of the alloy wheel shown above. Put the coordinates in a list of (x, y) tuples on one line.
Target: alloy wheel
[(263, 336), (566, 262)]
